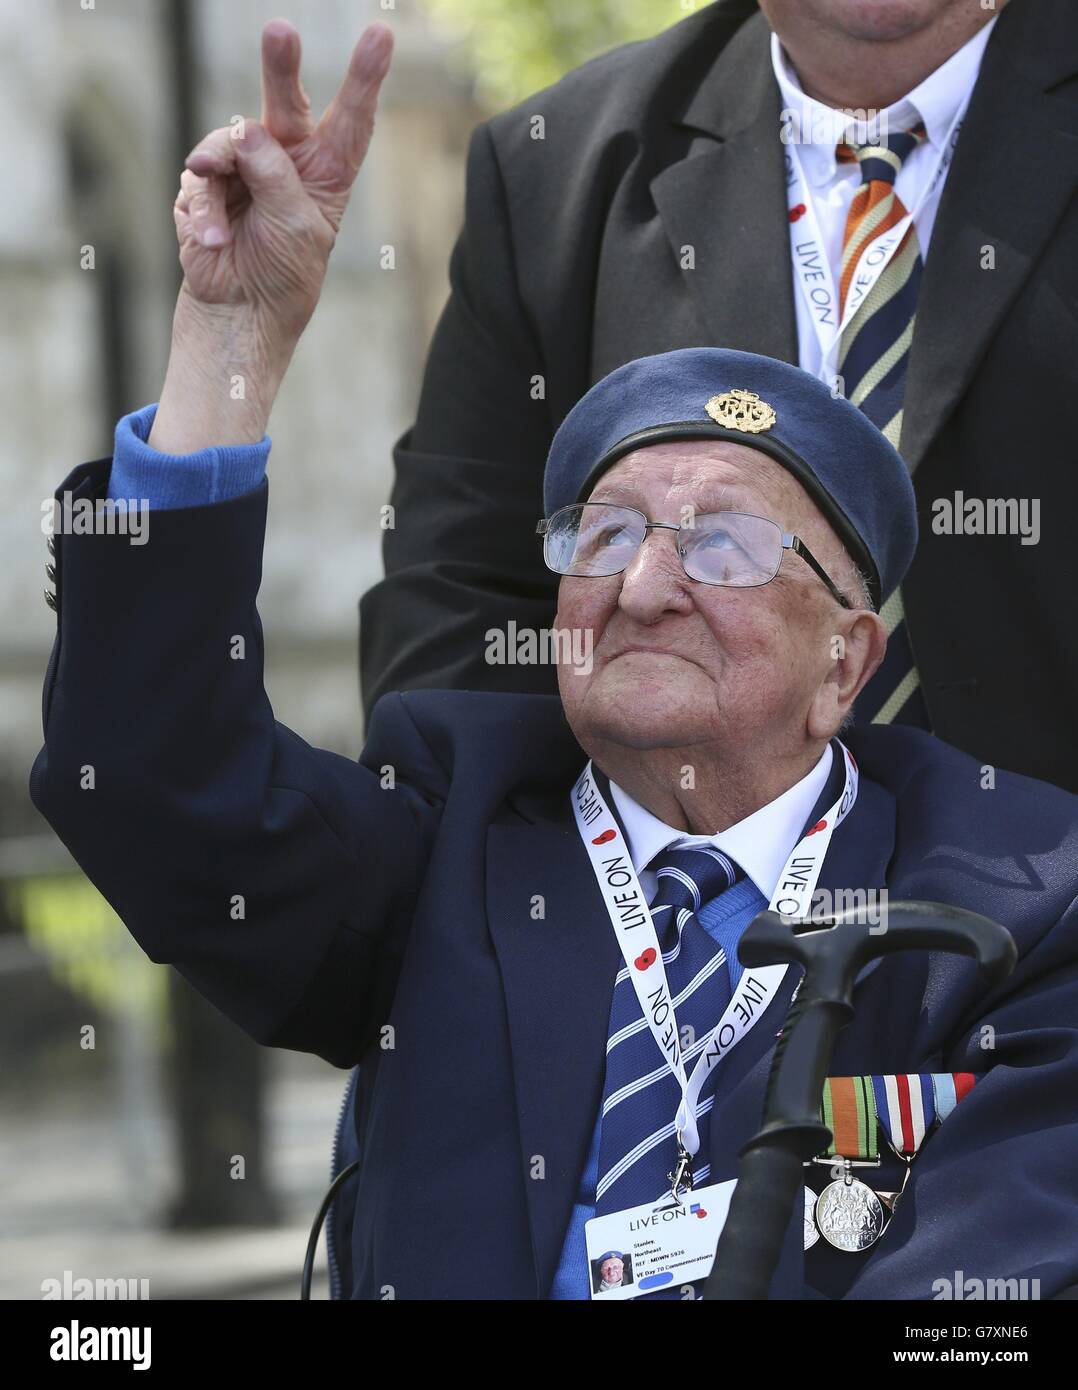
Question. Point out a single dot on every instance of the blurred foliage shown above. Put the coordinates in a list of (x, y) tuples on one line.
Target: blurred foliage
[(512, 48), (87, 946)]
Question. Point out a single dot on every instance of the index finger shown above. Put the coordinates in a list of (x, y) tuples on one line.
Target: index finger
[(346, 126)]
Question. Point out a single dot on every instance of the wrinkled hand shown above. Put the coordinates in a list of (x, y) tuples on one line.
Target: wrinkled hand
[(257, 216)]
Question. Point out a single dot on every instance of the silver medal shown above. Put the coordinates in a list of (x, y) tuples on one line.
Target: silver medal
[(849, 1215)]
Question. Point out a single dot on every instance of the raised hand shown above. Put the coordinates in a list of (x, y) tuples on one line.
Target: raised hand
[(256, 217)]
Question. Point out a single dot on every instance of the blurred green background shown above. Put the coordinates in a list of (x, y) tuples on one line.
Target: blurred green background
[(511, 50)]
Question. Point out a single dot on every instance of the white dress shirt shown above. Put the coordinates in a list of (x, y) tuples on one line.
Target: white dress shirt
[(936, 101), (761, 843)]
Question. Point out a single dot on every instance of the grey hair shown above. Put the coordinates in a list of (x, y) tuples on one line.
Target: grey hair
[(861, 588)]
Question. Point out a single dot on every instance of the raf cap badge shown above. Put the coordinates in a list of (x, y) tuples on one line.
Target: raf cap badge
[(741, 410)]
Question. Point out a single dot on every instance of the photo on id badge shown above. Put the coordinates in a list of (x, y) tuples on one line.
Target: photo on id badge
[(612, 1271)]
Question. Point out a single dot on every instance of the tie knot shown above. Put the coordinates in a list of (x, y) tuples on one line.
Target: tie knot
[(691, 877), (881, 161)]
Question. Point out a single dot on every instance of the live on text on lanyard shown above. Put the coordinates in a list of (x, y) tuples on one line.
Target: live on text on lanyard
[(812, 269), (634, 928)]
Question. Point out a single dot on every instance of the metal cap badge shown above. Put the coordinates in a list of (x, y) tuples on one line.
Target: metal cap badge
[(741, 410)]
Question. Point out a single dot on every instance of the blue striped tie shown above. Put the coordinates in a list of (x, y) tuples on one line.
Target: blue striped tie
[(873, 357), (637, 1147)]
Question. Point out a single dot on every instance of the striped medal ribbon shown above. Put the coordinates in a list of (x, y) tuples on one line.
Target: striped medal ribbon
[(906, 1106)]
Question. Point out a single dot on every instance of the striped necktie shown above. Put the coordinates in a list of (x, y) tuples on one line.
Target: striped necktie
[(874, 352), (637, 1145)]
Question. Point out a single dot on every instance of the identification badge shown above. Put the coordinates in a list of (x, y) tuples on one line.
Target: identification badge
[(658, 1245)]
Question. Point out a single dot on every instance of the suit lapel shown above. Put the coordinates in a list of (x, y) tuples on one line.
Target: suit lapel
[(726, 199), (558, 975), (1014, 172)]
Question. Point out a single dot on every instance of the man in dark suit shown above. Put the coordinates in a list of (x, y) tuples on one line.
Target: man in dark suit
[(445, 912), (642, 204)]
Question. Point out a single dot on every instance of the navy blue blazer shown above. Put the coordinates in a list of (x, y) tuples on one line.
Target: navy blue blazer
[(381, 912)]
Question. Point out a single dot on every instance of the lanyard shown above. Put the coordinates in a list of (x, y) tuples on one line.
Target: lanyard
[(631, 919), (812, 269)]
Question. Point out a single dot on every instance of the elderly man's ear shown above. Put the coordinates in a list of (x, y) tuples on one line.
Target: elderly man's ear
[(856, 649)]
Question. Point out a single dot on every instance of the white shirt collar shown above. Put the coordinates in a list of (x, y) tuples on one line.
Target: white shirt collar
[(935, 101), (761, 843)]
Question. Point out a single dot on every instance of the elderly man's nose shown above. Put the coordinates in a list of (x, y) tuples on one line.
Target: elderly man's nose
[(655, 580)]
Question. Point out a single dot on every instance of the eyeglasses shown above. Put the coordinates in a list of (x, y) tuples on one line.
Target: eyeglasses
[(595, 539)]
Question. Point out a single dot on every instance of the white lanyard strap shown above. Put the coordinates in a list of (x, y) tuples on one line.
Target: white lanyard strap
[(631, 919), (812, 269)]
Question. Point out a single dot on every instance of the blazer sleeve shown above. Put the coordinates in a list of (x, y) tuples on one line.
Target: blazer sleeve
[(278, 878), (462, 556)]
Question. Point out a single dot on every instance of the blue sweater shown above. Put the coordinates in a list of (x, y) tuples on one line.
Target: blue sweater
[(216, 474), (181, 480)]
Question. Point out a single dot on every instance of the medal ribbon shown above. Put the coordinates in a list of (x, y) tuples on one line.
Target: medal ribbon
[(630, 917), (849, 1112), (907, 1105)]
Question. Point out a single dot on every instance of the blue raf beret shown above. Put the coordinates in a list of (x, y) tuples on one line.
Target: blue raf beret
[(849, 469)]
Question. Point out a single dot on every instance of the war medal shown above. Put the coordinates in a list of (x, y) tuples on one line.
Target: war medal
[(848, 1214)]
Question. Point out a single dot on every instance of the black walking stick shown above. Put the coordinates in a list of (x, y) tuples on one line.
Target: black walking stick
[(770, 1173)]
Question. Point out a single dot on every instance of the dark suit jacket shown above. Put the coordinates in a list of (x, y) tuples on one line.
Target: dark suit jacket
[(569, 265), (315, 900)]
